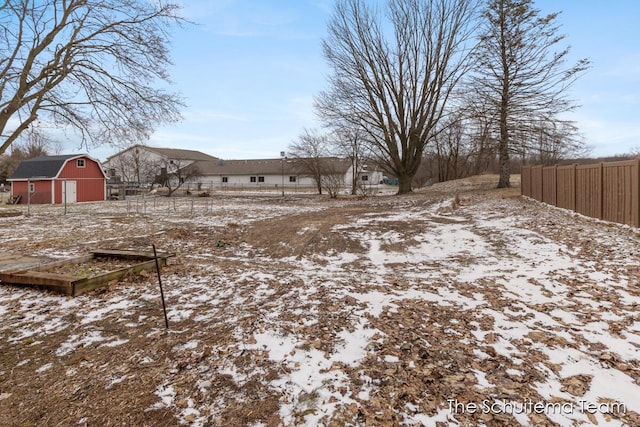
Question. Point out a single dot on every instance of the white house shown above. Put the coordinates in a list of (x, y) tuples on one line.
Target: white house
[(276, 173), (142, 164)]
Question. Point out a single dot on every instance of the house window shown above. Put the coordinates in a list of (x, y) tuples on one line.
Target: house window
[(32, 188), (292, 179), (252, 179), (225, 179), (261, 179), (80, 163), (365, 177)]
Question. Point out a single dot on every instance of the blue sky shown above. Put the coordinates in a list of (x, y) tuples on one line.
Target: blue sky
[(249, 71)]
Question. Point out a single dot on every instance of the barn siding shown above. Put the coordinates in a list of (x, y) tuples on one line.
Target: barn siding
[(90, 182), (87, 190), (41, 195), (72, 171), (90, 190)]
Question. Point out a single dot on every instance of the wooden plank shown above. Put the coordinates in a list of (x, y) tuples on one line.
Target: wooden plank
[(59, 289), (14, 200), (50, 265), (37, 277), (126, 254), (54, 282)]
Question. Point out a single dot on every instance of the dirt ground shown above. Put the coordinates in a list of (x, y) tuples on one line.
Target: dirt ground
[(376, 311)]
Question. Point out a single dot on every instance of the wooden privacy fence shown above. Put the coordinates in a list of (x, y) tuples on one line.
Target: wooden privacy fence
[(608, 191)]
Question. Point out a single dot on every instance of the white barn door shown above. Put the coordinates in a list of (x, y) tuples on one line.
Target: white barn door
[(68, 191)]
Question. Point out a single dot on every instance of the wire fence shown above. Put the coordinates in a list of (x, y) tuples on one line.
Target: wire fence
[(188, 202), (208, 188)]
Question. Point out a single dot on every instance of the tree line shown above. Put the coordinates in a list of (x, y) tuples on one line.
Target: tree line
[(464, 83), (440, 89)]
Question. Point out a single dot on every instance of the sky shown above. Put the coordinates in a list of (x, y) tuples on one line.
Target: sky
[(249, 70)]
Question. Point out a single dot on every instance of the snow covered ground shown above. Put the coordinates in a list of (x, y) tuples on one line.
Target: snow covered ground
[(384, 311)]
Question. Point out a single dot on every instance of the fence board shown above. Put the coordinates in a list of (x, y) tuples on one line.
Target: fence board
[(550, 187), (589, 190), (536, 182), (566, 190), (618, 193), (525, 181)]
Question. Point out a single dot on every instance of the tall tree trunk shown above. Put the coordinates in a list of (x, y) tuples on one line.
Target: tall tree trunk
[(505, 166), (505, 98), (404, 181), (354, 175)]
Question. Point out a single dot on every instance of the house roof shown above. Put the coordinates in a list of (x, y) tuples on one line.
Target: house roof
[(170, 153), (221, 167), (179, 154)]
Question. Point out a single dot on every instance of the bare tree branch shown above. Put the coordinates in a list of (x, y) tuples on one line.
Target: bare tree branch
[(308, 155), (88, 65)]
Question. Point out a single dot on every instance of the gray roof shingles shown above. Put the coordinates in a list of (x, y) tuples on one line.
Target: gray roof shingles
[(180, 154), (169, 153)]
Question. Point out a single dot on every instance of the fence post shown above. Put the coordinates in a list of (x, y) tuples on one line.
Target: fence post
[(555, 179), (575, 186), (542, 183)]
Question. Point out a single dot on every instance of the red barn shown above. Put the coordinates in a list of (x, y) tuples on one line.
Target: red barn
[(56, 179)]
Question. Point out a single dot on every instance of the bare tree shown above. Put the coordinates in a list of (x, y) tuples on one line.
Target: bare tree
[(392, 80), (453, 149), (521, 75), (136, 166), (33, 144), (88, 66), (350, 143), (553, 140), (480, 124), (332, 178), (175, 174), (308, 154)]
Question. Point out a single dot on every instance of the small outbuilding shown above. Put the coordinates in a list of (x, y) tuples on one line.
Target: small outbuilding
[(59, 179)]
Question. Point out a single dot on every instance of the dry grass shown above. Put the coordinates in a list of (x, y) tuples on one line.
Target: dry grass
[(255, 265)]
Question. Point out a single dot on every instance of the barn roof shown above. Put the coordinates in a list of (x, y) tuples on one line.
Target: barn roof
[(43, 167)]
